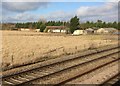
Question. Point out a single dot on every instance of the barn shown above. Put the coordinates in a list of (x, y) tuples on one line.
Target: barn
[(56, 29), (78, 32), (24, 29), (29, 29), (106, 30), (37, 30), (89, 31)]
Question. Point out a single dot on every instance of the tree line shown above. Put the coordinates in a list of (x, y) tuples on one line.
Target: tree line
[(36, 25), (100, 24), (73, 24)]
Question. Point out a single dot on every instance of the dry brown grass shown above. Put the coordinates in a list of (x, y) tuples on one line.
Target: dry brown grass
[(28, 47)]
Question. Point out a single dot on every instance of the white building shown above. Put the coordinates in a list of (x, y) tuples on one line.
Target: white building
[(78, 32), (37, 30), (28, 29), (24, 29), (106, 30), (89, 31), (56, 29)]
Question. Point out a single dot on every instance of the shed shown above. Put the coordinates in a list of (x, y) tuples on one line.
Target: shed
[(56, 29), (78, 32), (95, 29), (106, 30), (24, 29), (89, 31), (37, 30)]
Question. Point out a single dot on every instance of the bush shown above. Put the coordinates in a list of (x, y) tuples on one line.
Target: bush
[(45, 30), (74, 23), (42, 27)]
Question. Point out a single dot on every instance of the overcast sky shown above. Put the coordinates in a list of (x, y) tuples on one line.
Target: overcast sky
[(33, 10)]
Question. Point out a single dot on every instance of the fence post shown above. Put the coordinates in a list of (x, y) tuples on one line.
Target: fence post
[(12, 59), (99, 43), (84, 46), (76, 47)]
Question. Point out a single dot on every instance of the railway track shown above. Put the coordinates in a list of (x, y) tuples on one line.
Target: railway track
[(97, 76), (66, 69), (114, 80)]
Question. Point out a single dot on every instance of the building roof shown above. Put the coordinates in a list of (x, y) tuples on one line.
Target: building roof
[(55, 27), (95, 28), (90, 29), (109, 29)]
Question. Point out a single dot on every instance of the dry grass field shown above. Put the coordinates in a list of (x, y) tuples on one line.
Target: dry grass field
[(20, 48)]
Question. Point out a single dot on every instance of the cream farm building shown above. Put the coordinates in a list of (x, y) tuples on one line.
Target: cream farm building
[(56, 29), (106, 30)]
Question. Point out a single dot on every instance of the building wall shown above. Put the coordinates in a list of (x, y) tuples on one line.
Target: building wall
[(78, 32), (63, 31), (22, 29), (105, 31), (57, 31), (89, 31), (37, 30), (101, 30)]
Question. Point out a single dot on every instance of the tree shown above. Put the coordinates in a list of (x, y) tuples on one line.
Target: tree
[(17, 25), (109, 24), (104, 24), (42, 27), (74, 23), (67, 24), (115, 24), (99, 23), (37, 25), (83, 26), (26, 25), (118, 26)]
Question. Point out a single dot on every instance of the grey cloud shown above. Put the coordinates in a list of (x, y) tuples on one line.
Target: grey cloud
[(20, 17), (106, 12), (23, 6), (26, 0), (109, 18), (106, 9), (119, 11), (59, 15)]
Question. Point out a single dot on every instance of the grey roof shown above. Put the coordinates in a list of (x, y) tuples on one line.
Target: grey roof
[(109, 29), (95, 28), (89, 29)]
